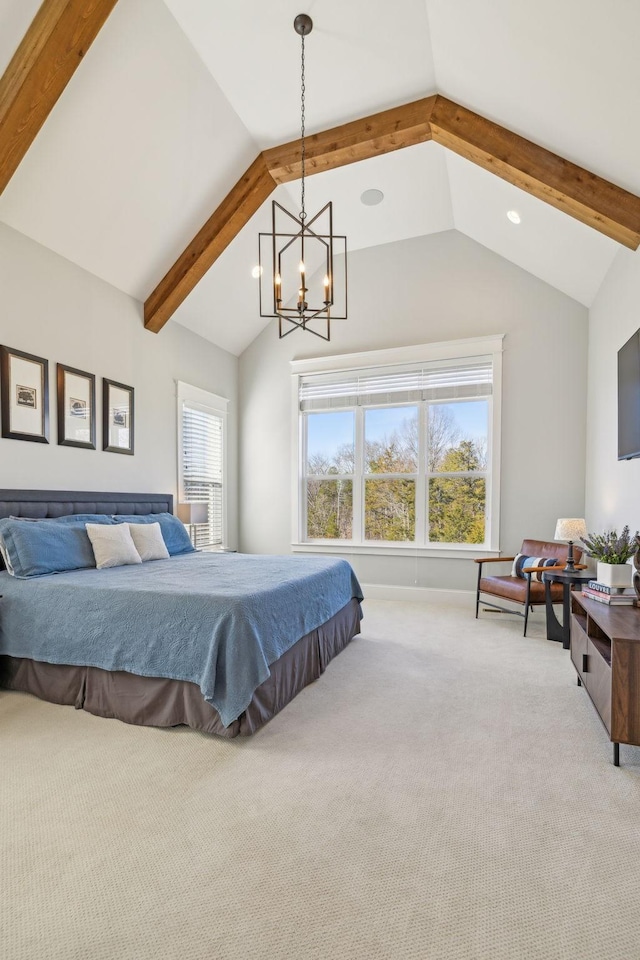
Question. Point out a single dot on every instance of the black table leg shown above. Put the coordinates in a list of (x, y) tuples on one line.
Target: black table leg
[(616, 754), (566, 616), (555, 629)]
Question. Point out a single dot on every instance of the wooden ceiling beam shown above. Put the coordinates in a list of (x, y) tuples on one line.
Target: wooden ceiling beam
[(381, 133), (583, 195), (51, 50), (223, 225), (359, 140)]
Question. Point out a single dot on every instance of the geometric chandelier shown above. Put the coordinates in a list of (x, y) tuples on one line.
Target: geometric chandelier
[(306, 279)]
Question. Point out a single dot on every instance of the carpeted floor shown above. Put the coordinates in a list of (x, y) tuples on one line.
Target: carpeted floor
[(444, 792)]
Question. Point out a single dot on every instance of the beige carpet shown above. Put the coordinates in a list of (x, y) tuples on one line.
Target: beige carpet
[(444, 792)]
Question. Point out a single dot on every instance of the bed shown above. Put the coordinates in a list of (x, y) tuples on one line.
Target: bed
[(220, 642)]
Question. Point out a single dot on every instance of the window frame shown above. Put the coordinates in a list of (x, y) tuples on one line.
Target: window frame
[(217, 406), (424, 353)]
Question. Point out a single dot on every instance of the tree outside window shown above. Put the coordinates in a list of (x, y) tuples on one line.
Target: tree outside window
[(393, 455)]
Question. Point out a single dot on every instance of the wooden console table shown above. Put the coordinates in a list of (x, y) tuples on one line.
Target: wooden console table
[(605, 650)]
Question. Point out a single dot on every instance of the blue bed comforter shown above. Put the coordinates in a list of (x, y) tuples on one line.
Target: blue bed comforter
[(218, 620)]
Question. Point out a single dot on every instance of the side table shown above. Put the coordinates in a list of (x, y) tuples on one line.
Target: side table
[(561, 632)]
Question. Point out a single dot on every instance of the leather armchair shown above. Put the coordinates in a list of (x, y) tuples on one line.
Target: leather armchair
[(528, 591)]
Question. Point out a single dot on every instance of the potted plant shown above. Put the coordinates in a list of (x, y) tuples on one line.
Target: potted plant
[(612, 553)]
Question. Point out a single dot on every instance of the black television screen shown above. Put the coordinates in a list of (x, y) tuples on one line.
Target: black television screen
[(629, 398)]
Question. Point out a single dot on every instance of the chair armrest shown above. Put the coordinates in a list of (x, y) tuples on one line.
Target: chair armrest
[(494, 560)]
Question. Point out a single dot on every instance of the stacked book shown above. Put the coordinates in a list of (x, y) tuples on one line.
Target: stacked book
[(615, 596)]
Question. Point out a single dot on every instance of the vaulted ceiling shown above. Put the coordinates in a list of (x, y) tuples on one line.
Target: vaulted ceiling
[(175, 99)]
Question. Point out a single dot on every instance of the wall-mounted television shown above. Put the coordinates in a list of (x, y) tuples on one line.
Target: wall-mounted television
[(629, 398)]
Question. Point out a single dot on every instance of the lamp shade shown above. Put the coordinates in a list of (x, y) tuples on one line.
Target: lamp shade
[(192, 513), (570, 528)]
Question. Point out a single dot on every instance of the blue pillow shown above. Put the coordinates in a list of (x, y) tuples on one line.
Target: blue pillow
[(174, 532), (39, 549), (521, 562)]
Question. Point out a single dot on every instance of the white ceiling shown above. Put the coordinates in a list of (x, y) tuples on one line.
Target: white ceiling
[(175, 99), (362, 56), (15, 18)]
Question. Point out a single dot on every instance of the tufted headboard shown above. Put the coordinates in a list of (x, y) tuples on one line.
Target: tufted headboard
[(40, 504)]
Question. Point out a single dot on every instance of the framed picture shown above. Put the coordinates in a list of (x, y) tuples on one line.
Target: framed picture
[(117, 417), (76, 408), (24, 396)]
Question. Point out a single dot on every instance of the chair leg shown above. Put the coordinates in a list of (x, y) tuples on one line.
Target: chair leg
[(478, 589), (527, 605)]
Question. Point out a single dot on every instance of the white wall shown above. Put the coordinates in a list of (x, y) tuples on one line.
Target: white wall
[(440, 287), (53, 309), (612, 486)]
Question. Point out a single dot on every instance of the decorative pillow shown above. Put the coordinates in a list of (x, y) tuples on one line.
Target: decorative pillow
[(39, 549), (174, 534), (521, 562), (113, 546), (148, 541)]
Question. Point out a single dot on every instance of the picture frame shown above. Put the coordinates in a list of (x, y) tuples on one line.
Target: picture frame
[(24, 396), (76, 408), (117, 417)]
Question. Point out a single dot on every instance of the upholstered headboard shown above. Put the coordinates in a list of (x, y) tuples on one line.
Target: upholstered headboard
[(43, 504), (40, 504)]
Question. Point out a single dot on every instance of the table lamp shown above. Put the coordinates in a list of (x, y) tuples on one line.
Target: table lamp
[(192, 514), (570, 529)]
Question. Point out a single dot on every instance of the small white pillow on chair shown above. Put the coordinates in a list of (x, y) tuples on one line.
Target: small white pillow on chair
[(148, 541), (113, 546)]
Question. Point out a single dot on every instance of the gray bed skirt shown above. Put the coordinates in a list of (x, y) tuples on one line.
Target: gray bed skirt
[(157, 702)]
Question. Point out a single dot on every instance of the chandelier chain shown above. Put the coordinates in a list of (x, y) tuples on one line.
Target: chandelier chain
[(303, 214)]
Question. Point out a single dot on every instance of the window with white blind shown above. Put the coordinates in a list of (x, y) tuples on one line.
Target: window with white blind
[(402, 453), (201, 467)]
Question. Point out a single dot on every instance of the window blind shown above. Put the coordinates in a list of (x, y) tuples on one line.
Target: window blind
[(202, 452), (440, 380)]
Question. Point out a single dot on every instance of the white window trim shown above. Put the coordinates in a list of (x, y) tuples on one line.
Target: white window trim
[(219, 406), (421, 353)]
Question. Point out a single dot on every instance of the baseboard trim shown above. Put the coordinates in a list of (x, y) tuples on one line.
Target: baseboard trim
[(379, 591)]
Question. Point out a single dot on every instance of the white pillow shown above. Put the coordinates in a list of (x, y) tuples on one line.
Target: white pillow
[(112, 545), (149, 541)]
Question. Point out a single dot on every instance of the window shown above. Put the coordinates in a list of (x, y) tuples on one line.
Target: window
[(400, 453), (201, 463)]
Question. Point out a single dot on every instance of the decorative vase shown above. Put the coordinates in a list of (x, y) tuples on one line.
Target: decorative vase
[(614, 574)]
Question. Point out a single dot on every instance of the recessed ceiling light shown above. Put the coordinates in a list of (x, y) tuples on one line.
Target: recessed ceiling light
[(372, 198), (256, 273), (514, 216)]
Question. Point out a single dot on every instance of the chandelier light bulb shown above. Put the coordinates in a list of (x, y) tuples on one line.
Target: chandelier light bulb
[(301, 266)]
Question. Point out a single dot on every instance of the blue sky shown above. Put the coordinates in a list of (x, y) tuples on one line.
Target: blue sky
[(471, 418), (382, 422), (328, 431)]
